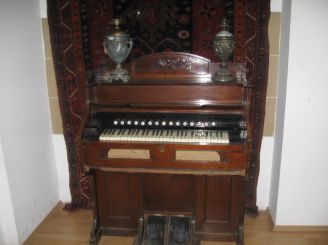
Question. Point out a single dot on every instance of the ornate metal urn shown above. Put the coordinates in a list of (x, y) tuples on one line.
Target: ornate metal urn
[(118, 45), (224, 44)]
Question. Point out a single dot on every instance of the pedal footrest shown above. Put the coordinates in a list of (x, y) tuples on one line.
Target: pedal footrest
[(164, 230)]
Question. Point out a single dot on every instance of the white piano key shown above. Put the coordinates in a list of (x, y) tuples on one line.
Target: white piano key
[(175, 136), (226, 137), (106, 133)]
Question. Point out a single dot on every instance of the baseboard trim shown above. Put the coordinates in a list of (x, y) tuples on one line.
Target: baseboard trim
[(299, 228), (295, 228), (43, 223)]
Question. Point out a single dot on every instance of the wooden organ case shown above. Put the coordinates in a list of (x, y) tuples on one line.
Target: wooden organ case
[(168, 150)]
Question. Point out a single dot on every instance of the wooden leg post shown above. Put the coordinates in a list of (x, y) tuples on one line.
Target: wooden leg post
[(240, 237)]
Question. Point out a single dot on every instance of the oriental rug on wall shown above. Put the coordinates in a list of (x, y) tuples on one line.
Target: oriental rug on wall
[(77, 28)]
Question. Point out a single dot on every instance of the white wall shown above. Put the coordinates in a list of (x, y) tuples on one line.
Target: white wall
[(302, 196), (25, 126), (280, 108), (43, 8), (8, 230), (264, 182), (62, 168), (276, 5)]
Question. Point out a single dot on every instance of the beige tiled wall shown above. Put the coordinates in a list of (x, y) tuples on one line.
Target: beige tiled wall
[(274, 37), (56, 121), (274, 32)]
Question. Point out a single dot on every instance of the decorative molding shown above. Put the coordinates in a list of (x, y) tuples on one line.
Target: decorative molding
[(174, 63)]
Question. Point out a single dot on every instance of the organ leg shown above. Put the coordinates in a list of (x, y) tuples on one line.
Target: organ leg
[(240, 237), (95, 232), (252, 212), (194, 241)]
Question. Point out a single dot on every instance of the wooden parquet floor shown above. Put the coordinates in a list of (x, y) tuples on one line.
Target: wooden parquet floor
[(73, 228)]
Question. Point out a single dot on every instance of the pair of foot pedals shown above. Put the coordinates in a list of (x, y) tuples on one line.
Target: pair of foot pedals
[(164, 230)]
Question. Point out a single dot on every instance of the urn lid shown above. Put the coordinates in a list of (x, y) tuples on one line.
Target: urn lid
[(116, 31), (224, 25)]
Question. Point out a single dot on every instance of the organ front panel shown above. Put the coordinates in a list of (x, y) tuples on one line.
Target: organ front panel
[(169, 144)]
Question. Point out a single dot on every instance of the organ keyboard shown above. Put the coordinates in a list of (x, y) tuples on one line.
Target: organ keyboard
[(166, 135), (169, 143), (176, 128)]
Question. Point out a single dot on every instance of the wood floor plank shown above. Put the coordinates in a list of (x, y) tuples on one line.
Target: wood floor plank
[(73, 228)]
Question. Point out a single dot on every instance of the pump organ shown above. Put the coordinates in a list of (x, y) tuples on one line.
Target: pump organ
[(170, 143)]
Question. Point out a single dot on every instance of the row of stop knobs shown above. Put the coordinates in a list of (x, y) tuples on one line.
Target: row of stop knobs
[(165, 123)]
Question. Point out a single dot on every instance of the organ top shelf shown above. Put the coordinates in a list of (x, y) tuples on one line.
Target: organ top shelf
[(172, 68)]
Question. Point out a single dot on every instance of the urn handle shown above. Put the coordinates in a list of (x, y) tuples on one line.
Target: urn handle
[(130, 45)]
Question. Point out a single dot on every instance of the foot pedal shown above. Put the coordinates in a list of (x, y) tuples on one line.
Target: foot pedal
[(179, 231), (164, 230), (154, 231)]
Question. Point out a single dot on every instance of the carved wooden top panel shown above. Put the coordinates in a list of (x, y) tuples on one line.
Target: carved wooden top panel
[(170, 64)]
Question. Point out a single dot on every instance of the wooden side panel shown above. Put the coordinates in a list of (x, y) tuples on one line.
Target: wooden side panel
[(119, 199), (168, 193), (218, 200), (118, 204), (218, 204)]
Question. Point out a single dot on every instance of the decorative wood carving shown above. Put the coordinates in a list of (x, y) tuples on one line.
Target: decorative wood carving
[(175, 64)]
